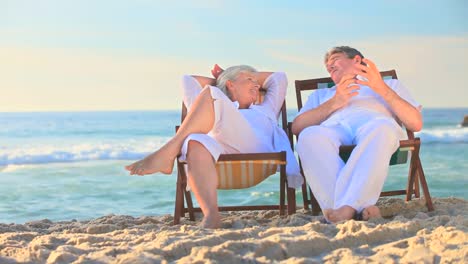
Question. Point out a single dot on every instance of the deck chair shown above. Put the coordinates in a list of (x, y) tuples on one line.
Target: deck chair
[(412, 144), (238, 171)]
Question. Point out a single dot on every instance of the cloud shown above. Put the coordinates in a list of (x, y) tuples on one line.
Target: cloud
[(432, 67), (307, 61), (281, 42), (74, 79), (54, 79)]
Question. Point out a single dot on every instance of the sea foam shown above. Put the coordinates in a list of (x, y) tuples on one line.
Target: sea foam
[(444, 135), (86, 151), (134, 149)]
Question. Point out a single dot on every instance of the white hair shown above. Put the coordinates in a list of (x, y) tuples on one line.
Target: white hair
[(232, 73)]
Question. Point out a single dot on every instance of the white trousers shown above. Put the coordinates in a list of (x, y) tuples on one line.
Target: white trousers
[(357, 183)]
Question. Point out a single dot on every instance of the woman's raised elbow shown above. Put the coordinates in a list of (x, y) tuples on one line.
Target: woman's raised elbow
[(417, 126)]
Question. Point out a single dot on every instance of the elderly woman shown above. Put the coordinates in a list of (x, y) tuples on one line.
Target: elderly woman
[(223, 119)]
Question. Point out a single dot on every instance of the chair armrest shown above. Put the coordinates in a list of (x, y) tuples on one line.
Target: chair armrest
[(403, 144), (280, 156)]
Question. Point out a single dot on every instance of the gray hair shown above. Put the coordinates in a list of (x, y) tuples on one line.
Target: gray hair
[(231, 73), (348, 51)]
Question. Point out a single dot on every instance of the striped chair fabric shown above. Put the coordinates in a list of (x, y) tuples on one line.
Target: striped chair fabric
[(248, 172)]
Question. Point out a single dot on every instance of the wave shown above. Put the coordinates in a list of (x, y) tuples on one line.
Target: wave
[(50, 153), (136, 149), (11, 168), (444, 135)]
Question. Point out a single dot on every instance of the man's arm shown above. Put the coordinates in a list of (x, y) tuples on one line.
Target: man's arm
[(345, 90), (313, 117), (409, 115), (406, 113)]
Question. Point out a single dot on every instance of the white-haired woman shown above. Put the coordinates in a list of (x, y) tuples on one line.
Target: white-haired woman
[(223, 119)]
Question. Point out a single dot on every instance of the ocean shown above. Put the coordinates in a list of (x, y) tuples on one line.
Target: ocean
[(69, 165)]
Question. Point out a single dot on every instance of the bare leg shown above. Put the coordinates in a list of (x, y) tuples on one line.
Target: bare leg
[(343, 213), (203, 180), (371, 212), (200, 119)]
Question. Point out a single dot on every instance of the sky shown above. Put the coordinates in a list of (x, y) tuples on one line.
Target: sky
[(99, 55)]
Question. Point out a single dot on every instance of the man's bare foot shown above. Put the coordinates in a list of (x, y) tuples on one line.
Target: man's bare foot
[(159, 161), (211, 222), (371, 212), (326, 213), (343, 213)]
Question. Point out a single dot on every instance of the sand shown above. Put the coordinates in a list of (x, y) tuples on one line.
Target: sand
[(406, 234)]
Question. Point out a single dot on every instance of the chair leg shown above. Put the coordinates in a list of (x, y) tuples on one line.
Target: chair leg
[(282, 189), (411, 174), (315, 205), (305, 199), (417, 192), (427, 195), (291, 201), (186, 194), (179, 202), (188, 199)]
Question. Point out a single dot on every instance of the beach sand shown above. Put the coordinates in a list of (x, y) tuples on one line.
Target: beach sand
[(407, 233)]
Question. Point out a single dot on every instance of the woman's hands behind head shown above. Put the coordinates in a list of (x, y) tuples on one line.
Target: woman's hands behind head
[(216, 71)]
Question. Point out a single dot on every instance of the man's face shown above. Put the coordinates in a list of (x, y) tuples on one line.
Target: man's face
[(339, 64)]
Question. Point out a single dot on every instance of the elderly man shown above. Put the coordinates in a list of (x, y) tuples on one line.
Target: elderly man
[(361, 109)]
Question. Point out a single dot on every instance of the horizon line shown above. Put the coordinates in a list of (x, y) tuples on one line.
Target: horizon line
[(163, 110)]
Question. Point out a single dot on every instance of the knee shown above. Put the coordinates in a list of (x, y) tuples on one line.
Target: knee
[(389, 128), (313, 137), (384, 131), (197, 152)]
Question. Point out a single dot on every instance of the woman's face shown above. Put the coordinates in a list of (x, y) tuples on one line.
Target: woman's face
[(244, 89)]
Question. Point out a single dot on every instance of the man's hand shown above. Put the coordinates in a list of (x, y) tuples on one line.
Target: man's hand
[(372, 74), (216, 71), (406, 113), (345, 90)]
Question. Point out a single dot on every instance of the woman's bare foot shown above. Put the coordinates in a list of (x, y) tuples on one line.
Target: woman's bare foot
[(161, 160), (343, 213), (211, 222), (371, 212)]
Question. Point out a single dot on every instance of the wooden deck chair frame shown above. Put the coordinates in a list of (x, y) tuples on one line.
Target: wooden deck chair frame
[(278, 158), (412, 144)]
